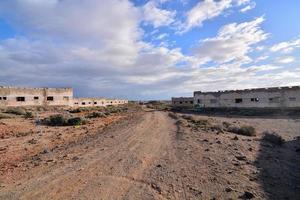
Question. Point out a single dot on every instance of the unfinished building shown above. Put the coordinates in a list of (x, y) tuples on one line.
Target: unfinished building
[(275, 97), (17, 96), (183, 102), (88, 102)]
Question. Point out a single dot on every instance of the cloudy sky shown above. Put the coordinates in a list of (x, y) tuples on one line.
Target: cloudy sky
[(155, 49)]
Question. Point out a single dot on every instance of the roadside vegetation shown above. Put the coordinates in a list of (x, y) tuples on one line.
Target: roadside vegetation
[(61, 120)]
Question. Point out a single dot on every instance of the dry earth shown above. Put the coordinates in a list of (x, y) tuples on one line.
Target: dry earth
[(149, 155)]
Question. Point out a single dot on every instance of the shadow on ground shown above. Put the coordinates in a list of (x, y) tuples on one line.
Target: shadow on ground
[(279, 168)]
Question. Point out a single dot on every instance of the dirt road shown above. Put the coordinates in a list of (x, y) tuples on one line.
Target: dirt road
[(150, 155), (111, 168)]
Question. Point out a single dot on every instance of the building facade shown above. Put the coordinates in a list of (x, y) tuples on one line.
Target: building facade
[(184, 102), (88, 102), (276, 97), (17, 96)]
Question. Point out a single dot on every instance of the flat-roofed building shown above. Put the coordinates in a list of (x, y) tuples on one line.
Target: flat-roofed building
[(275, 97), (183, 102), (18, 96), (88, 102)]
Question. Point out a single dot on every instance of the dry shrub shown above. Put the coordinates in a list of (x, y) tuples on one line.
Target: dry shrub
[(243, 130), (28, 115), (60, 120), (16, 111), (226, 124), (96, 115), (181, 122), (5, 116), (217, 127), (76, 121), (273, 138), (188, 117), (173, 115)]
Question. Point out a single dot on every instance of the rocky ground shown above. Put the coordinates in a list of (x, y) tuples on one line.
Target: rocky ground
[(138, 154)]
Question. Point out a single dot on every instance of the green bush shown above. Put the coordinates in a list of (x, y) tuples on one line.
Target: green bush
[(56, 120), (16, 111), (28, 115), (60, 120), (244, 130), (76, 121), (96, 115)]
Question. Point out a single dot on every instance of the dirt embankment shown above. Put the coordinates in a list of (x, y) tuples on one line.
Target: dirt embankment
[(153, 155)]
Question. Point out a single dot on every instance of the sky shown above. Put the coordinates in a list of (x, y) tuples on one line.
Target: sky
[(149, 49)]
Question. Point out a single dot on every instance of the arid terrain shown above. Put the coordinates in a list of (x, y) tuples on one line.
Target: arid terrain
[(138, 153)]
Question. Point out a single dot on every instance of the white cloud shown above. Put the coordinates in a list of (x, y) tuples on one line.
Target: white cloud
[(156, 16), (208, 9), (243, 2), (204, 10), (260, 58), (161, 36), (286, 47), (285, 60), (97, 47), (248, 7), (233, 42)]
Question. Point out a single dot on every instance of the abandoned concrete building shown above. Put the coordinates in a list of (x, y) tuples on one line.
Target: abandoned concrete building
[(17, 96), (183, 102), (86, 102), (275, 97)]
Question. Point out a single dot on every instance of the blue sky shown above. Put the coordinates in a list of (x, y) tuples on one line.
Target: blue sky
[(149, 49)]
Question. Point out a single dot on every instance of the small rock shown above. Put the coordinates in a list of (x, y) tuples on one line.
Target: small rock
[(45, 151), (155, 187), (3, 148), (250, 149), (247, 195), (218, 142), (205, 140), (235, 138), (32, 141), (206, 150), (75, 158), (158, 165), (241, 157), (228, 189)]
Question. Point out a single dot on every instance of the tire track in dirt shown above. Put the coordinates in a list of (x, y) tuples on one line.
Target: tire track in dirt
[(104, 174)]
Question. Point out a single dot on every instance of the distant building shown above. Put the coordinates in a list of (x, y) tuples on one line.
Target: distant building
[(275, 97), (87, 102), (183, 102), (17, 96)]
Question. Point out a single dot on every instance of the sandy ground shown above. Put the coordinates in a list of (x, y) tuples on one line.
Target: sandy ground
[(149, 155)]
